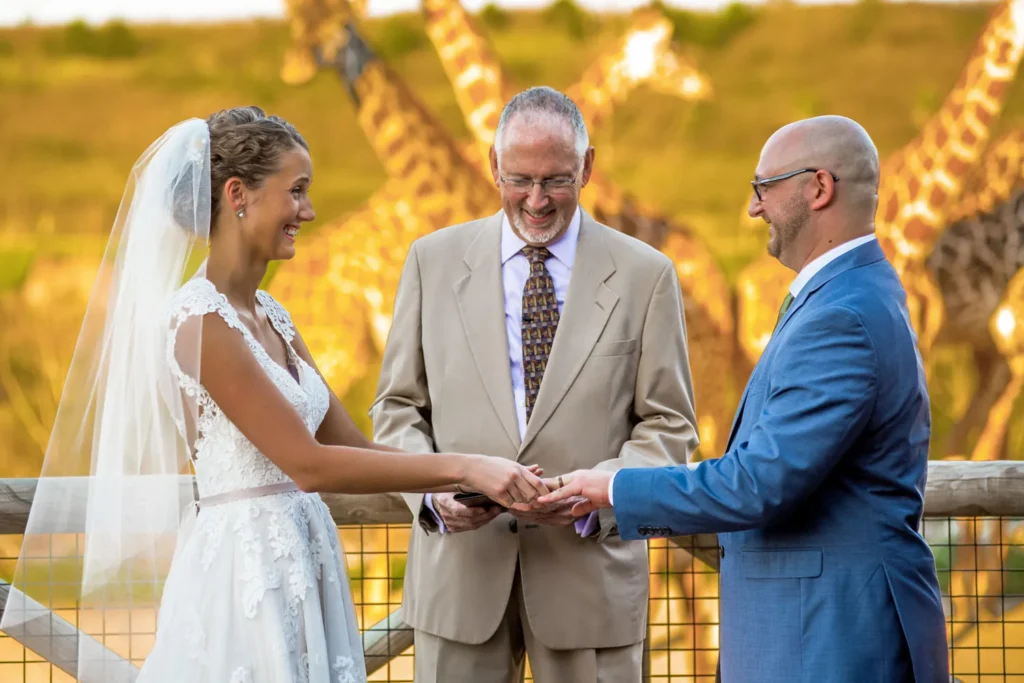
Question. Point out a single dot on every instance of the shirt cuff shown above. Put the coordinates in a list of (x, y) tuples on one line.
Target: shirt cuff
[(586, 526), (428, 502), (611, 487)]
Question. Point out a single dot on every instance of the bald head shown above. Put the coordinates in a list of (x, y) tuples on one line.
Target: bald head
[(820, 189), (832, 143)]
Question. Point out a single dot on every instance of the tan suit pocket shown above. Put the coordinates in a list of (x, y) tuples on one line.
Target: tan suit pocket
[(614, 348)]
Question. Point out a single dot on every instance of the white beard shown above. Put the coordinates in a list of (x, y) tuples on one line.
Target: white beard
[(537, 236)]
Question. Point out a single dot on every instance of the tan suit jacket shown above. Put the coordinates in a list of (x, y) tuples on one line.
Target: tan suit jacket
[(616, 393)]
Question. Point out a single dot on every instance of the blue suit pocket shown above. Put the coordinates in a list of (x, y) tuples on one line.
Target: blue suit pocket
[(803, 563)]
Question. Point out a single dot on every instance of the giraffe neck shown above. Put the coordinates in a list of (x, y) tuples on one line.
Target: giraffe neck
[(605, 84), (921, 183), (995, 180), (472, 67), (411, 144)]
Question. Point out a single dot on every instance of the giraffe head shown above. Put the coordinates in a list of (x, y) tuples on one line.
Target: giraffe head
[(649, 56), (317, 35)]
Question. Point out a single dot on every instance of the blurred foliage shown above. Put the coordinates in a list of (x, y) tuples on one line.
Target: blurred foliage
[(399, 35), (576, 21), (113, 40), (709, 29), (494, 18), (864, 19)]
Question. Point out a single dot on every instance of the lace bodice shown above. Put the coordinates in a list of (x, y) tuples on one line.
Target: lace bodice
[(224, 459)]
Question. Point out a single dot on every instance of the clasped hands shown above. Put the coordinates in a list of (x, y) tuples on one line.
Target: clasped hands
[(562, 500)]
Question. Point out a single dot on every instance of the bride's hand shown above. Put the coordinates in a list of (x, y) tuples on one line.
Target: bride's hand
[(504, 481)]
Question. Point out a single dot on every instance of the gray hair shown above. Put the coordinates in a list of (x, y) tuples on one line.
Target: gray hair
[(544, 101)]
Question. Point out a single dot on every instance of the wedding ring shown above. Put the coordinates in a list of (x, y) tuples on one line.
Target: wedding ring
[(560, 484)]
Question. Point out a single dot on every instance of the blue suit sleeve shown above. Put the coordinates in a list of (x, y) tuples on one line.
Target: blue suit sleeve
[(822, 388)]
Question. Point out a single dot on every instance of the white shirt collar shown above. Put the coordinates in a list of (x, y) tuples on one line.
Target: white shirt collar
[(563, 249), (815, 266)]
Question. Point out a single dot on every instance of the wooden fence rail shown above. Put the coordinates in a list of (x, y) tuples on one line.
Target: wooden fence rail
[(955, 489)]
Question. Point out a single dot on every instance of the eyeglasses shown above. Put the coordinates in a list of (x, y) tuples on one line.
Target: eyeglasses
[(759, 184), (548, 185)]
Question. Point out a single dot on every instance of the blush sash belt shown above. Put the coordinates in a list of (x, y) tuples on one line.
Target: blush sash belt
[(244, 494)]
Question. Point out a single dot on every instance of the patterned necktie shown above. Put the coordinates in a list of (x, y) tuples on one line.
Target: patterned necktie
[(540, 319), (782, 310)]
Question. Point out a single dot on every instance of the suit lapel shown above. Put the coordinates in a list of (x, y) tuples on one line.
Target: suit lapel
[(588, 304), (743, 402), (863, 255), (480, 297)]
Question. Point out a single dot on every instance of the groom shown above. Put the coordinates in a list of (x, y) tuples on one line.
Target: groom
[(819, 496)]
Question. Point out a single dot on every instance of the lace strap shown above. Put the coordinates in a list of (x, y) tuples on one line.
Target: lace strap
[(197, 297), (278, 316)]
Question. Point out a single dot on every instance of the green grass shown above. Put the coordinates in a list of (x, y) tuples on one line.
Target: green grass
[(14, 267)]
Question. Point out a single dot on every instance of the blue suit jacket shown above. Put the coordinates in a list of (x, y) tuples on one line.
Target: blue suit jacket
[(819, 496)]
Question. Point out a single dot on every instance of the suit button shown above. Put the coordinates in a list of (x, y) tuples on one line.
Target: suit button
[(513, 525), (721, 552)]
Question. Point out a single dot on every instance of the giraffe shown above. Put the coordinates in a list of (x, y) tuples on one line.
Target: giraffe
[(920, 184), (973, 262)]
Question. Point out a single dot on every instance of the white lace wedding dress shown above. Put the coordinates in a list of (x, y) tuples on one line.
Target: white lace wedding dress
[(258, 591)]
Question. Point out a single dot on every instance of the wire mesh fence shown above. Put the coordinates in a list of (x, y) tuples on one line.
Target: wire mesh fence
[(980, 563)]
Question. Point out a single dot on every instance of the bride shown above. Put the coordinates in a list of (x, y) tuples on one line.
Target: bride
[(254, 586)]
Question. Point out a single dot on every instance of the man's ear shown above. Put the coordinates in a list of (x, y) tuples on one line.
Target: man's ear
[(588, 166), (493, 155), (824, 190)]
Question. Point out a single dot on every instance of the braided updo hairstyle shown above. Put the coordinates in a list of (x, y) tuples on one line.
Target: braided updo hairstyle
[(247, 144)]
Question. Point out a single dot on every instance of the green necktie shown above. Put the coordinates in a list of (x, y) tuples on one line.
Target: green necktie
[(782, 310)]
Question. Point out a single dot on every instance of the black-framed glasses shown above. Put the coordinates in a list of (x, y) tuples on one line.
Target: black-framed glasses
[(547, 185), (758, 184)]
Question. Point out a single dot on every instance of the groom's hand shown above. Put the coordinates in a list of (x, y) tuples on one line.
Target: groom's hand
[(458, 517), (555, 514), (590, 485)]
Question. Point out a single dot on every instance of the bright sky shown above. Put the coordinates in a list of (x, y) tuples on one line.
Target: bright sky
[(61, 11), (14, 12)]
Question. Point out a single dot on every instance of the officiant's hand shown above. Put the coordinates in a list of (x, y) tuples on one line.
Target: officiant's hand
[(555, 514), (457, 517)]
